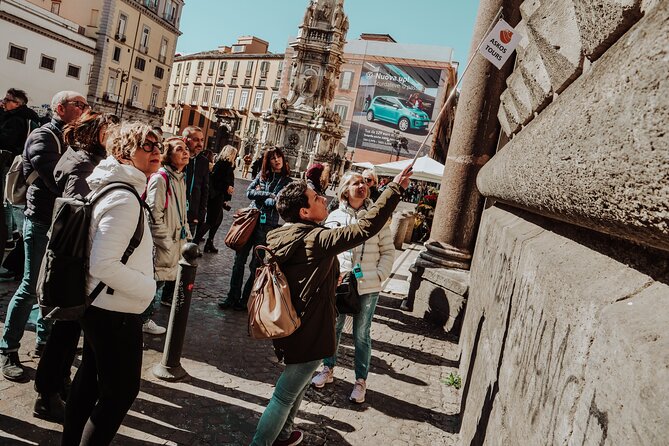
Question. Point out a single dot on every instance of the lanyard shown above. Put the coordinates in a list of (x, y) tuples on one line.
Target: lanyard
[(192, 177), (362, 253), (176, 199)]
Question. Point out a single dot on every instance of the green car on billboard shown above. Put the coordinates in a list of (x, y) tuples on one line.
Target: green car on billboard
[(397, 111)]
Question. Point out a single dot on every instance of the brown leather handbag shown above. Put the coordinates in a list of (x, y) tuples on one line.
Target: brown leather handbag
[(244, 221), (271, 311)]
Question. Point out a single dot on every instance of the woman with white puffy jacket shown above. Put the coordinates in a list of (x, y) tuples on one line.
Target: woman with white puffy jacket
[(107, 381), (375, 258)]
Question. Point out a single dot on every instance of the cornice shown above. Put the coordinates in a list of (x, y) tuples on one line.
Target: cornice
[(45, 32)]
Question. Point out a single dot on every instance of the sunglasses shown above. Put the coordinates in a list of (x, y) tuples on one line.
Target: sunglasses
[(149, 146), (368, 180), (80, 105), (10, 100)]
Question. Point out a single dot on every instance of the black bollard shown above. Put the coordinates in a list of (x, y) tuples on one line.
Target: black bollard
[(169, 368)]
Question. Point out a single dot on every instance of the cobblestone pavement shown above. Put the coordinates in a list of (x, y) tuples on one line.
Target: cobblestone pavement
[(232, 377)]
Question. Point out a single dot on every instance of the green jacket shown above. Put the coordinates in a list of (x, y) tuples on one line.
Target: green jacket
[(307, 254)]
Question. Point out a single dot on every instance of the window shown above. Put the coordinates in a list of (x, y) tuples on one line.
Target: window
[(196, 94), (48, 63), (174, 95), (55, 7), (277, 82), (170, 115), (144, 40), (200, 121), (122, 23), (222, 67), (178, 69), (264, 68), (117, 54), (159, 73), (205, 96), (191, 117), (171, 12), (212, 66), (233, 81), (140, 63), (247, 81), (217, 97), (73, 71), (249, 68), (134, 91), (253, 127), (17, 53), (244, 100), (257, 101), (200, 67), (341, 110), (162, 56), (238, 48), (262, 82), (111, 83), (275, 96), (346, 78), (154, 98), (230, 99), (235, 68), (187, 68), (182, 99)]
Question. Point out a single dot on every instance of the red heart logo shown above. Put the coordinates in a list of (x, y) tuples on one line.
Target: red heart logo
[(505, 36)]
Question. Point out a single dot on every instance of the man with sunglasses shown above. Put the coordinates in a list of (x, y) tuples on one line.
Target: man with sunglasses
[(42, 151)]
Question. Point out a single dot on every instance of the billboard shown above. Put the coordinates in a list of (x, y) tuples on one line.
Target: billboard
[(395, 101)]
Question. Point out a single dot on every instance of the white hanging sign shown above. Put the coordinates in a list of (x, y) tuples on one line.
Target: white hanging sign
[(500, 43)]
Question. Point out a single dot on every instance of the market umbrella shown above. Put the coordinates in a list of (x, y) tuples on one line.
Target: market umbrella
[(425, 169)]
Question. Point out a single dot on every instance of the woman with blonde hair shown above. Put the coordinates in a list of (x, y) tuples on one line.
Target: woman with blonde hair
[(221, 188), (107, 381), (166, 198), (372, 263)]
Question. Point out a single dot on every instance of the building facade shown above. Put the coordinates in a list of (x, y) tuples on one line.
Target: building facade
[(134, 52), (44, 53), (225, 92)]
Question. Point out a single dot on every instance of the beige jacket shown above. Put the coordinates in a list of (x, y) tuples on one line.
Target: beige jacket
[(166, 228), (378, 255)]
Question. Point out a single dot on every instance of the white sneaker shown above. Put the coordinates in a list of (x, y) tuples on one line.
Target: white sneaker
[(151, 327), (359, 390), (324, 377)]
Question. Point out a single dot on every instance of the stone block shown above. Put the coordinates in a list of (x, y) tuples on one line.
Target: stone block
[(504, 121), (528, 7), (552, 350), (554, 29), (511, 111), (598, 155), (602, 22), (521, 96), (455, 280), (438, 305), (538, 82)]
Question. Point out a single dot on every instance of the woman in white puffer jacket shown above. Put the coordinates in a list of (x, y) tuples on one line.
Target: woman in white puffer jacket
[(375, 258), (107, 381)]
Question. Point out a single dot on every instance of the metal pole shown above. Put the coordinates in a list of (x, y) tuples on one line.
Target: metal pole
[(452, 94), (170, 368)]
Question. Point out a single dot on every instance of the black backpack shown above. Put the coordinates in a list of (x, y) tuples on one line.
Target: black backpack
[(61, 287)]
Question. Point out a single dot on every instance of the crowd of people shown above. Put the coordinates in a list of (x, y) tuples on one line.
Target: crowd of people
[(174, 194)]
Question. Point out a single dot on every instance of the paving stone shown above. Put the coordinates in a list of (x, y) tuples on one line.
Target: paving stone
[(232, 378)]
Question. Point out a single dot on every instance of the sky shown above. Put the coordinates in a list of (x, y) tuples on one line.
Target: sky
[(207, 24)]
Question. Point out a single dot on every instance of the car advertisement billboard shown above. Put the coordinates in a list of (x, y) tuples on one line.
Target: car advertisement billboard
[(395, 102)]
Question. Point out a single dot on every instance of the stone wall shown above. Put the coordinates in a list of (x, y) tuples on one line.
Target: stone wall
[(565, 338)]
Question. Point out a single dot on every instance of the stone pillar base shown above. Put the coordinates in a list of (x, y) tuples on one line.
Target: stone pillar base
[(439, 294)]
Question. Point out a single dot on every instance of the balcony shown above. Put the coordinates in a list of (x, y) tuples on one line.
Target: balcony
[(162, 58), (156, 110), (119, 37), (143, 49), (135, 104), (111, 97)]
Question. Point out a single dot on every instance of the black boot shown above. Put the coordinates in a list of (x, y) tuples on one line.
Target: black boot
[(209, 247), (49, 407)]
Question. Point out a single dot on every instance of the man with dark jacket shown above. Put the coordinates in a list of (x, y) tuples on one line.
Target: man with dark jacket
[(41, 153), (306, 253), (197, 181), (16, 122)]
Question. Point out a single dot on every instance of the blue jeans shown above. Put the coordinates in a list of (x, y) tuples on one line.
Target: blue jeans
[(362, 322), (235, 293), (34, 240), (277, 420)]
